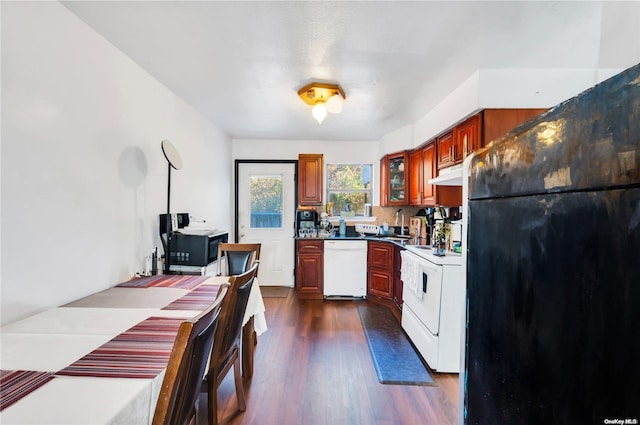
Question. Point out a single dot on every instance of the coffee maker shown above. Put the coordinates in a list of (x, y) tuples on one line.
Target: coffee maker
[(306, 219)]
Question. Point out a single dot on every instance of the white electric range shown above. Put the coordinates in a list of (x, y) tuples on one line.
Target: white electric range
[(433, 306)]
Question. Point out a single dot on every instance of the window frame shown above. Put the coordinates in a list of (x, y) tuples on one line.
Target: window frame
[(368, 192)]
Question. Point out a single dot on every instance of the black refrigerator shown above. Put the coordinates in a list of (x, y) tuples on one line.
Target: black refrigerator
[(553, 266)]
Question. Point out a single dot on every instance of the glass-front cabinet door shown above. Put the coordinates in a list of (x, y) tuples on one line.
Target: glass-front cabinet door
[(394, 169)]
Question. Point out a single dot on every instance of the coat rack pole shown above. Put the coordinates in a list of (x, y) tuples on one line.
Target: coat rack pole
[(167, 255), (173, 160)]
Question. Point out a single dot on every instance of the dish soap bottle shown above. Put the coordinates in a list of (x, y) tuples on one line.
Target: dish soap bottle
[(343, 227)]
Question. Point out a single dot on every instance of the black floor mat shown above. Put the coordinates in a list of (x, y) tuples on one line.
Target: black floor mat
[(394, 358)]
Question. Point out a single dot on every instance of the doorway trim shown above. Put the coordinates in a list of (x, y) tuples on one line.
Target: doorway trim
[(236, 171)]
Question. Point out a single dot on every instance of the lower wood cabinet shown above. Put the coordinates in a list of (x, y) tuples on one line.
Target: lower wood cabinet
[(397, 277), (380, 269), (380, 283), (309, 269), (384, 283)]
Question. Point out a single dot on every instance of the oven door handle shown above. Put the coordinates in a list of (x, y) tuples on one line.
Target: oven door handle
[(425, 278)]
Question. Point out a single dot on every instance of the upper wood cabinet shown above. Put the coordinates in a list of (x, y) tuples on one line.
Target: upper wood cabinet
[(310, 179), (422, 168), (498, 122), (394, 183), (475, 132), (429, 170), (454, 145), (467, 138), (415, 177), (445, 149)]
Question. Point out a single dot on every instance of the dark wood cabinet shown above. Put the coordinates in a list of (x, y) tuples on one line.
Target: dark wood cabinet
[(310, 174), (380, 262), (467, 138), (384, 282), (380, 283), (394, 183), (498, 122), (445, 149), (415, 177), (475, 132), (422, 168), (429, 171), (397, 277), (309, 269)]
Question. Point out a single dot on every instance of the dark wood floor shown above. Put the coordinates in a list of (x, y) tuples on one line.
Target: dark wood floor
[(313, 367)]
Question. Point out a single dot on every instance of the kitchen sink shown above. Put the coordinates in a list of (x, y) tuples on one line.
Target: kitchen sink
[(399, 239)]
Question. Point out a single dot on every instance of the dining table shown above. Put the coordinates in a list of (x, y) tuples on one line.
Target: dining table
[(101, 359)]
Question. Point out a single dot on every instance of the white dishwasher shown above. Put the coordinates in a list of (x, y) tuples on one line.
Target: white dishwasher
[(345, 268)]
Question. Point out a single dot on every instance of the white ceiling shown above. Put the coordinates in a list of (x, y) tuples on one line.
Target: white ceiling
[(241, 63)]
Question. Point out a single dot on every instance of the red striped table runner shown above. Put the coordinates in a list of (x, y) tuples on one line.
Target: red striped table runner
[(165, 281), (140, 352), (15, 384), (198, 299)]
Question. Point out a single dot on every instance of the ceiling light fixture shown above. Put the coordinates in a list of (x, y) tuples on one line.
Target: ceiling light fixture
[(324, 98)]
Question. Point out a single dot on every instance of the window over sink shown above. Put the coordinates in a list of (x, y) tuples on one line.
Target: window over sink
[(349, 188)]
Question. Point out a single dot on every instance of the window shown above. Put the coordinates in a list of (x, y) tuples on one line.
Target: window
[(266, 201), (349, 188)]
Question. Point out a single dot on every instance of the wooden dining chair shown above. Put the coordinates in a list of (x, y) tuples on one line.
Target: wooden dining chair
[(239, 257), (178, 398), (227, 342)]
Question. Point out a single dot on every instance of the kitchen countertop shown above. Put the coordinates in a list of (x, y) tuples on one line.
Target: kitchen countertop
[(423, 251)]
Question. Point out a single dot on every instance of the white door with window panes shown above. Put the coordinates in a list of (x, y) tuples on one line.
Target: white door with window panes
[(349, 189), (266, 214)]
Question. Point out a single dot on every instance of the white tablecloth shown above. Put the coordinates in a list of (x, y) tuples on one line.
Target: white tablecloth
[(46, 352), (84, 401), (153, 297), (83, 320), (51, 340)]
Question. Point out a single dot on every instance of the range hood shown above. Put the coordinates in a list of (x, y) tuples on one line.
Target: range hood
[(450, 176)]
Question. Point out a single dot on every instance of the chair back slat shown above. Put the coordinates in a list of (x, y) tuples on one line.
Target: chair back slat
[(235, 322), (238, 257), (238, 262)]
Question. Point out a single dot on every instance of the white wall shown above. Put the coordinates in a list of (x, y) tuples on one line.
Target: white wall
[(397, 140), (83, 175)]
